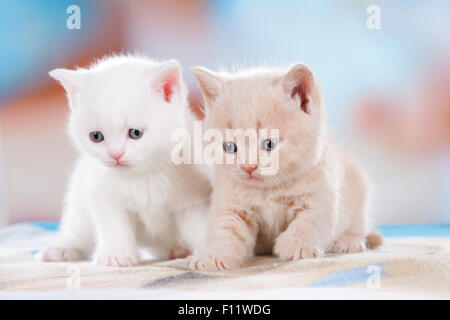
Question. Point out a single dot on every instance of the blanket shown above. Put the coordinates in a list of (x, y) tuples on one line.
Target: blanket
[(413, 262)]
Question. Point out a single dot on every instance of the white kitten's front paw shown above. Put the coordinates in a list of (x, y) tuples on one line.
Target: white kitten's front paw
[(293, 248), (349, 244), (56, 254), (213, 263), (117, 258)]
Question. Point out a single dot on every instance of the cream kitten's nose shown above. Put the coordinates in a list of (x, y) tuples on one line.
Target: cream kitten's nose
[(249, 168)]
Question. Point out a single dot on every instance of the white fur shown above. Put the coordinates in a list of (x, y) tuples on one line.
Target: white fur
[(149, 202)]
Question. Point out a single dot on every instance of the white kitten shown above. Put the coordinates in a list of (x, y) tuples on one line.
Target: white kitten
[(125, 191)]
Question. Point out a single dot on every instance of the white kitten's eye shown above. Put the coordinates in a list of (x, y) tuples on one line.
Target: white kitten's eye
[(96, 136), (230, 147), (269, 144), (135, 133)]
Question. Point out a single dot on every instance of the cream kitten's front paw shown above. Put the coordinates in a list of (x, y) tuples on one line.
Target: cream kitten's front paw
[(213, 263), (56, 254), (125, 258), (294, 248), (348, 244)]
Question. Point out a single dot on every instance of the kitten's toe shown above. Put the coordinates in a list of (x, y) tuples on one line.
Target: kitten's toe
[(293, 248), (349, 244), (56, 254), (117, 259), (213, 263), (179, 253)]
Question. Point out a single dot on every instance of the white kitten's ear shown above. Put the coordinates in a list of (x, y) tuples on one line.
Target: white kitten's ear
[(71, 80), (299, 85), (168, 78), (210, 83)]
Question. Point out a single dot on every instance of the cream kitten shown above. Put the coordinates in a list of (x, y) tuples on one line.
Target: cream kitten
[(318, 199), (124, 190)]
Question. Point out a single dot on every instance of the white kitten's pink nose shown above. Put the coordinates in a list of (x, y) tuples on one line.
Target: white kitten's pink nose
[(116, 155), (249, 168)]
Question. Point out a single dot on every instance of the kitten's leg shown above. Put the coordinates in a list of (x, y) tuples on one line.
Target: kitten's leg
[(231, 240), (75, 239), (354, 238), (190, 242), (354, 208), (116, 238), (310, 233)]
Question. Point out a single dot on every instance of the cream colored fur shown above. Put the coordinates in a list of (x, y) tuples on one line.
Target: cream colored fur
[(318, 199)]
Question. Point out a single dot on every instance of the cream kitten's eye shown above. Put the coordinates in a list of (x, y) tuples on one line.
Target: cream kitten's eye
[(230, 147), (135, 133), (96, 136), (269, 144)]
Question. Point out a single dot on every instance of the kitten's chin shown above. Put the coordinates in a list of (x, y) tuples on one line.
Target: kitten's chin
[(136, 167), (118, 166), (253, 180), (262, 181)]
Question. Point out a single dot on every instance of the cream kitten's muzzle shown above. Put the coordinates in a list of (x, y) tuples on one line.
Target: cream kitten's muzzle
[(249, 169), (249, 172)]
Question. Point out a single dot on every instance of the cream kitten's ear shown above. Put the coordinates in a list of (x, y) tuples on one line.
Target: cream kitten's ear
[(210, 83), (71, 80), (299, 84), (168, 79)]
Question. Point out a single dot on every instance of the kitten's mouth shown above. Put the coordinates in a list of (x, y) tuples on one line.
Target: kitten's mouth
[(117, 165)]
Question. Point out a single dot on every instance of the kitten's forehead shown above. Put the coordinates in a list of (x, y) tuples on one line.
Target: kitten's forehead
[(111, 121), (115, 103), (124, 84), (116, 84), (250, 102), (114, 90)]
